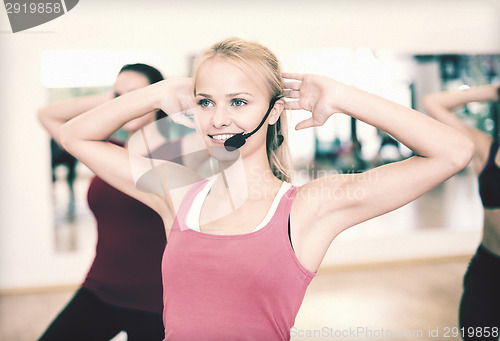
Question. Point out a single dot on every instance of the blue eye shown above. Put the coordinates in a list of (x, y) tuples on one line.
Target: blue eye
[(205, 103), (238, 102)]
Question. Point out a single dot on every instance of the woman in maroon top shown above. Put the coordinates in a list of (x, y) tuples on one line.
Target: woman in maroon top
[(123, 289)]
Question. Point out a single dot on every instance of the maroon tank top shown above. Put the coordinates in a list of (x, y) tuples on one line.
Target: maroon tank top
[(126, 271)]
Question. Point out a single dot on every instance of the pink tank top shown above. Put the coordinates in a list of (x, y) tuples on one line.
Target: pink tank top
[(233, 287)]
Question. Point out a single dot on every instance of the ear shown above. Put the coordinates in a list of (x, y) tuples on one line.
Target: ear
[(276, 111)]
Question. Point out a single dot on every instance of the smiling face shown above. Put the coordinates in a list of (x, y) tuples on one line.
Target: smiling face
[(229, 102), (234, 82)]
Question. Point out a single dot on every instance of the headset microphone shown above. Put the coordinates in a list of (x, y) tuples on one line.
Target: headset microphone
[(238, 140)]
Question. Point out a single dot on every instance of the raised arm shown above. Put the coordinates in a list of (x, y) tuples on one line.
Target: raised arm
[(440, 105), (86, 135), (53, 116), (337, 202)]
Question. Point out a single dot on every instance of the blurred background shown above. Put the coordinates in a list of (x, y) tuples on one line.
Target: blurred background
[(374, 273)]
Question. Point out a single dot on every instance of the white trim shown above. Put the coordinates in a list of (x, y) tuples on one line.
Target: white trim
[(193, 215)]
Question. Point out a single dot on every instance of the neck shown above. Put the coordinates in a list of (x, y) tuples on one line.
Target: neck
[(247, 178)]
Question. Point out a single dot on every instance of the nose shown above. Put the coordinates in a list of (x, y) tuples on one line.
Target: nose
[(221, 117)]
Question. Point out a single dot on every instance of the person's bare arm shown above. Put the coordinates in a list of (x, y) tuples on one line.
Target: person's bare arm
[(337, 202), (440, 105), (86, 136), (53, 116)]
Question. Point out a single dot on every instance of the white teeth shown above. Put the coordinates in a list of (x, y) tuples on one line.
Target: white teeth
[(222, 136)]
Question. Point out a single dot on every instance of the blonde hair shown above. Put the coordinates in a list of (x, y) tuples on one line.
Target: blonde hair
[(262, 62)]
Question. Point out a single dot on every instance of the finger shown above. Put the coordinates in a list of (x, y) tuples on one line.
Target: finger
[(293, 105), (305, 124), (291, 93), (289, 75), (292, 85)]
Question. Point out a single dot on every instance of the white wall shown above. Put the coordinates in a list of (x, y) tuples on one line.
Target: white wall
[(180, 28)]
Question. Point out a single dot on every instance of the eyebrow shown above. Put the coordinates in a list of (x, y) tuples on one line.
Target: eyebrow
[(228, 95)]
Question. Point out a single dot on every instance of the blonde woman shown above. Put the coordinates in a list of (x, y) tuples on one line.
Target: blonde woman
[(242, 274)]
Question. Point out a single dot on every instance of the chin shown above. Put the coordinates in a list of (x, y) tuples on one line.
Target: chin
[(220, 153)]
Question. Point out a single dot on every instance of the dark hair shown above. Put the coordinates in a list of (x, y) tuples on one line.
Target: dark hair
[(151, 73)]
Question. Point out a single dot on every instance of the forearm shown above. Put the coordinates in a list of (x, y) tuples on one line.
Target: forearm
[(454, 99), (440, 105), (102, 121), (425, 136), (53, 116)]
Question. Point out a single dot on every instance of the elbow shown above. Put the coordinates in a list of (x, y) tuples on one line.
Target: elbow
[(43, 116), (463, 153), (66, 137), (40, 115)]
